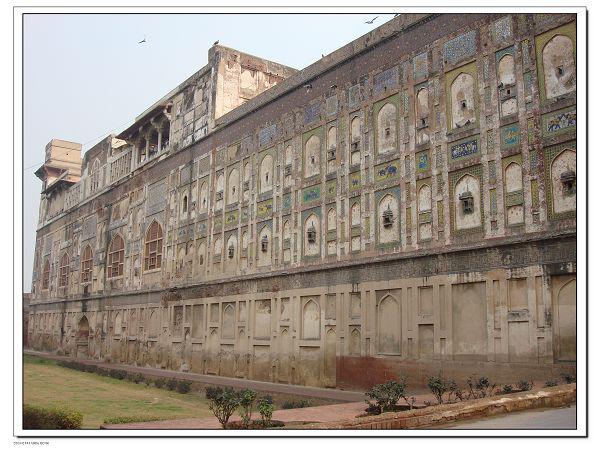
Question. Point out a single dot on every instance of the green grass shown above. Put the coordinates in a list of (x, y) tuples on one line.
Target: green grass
[(99, 398)]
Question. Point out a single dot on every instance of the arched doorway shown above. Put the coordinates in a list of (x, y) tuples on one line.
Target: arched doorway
[(83, 334)]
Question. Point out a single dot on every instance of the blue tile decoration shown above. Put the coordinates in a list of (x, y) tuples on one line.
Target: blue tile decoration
[(331, 106), (461, 47), (464, 149), (387, 171), (422, 161), (502, 30), (266, 134), (386, 80), (510, 136), (559, 121), (420, 66), (287, 201), (312, 112), (354, 96), (311, 193)]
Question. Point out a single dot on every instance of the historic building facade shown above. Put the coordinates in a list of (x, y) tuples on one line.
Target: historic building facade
[(404, 205)]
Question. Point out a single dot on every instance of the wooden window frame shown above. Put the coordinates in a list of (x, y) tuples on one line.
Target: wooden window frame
[(87, 265), (153, 247), (116, 258)]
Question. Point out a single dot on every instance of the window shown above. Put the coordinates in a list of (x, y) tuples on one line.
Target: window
[(86, 265), (568, 180), (231, 251), (116, 257), (95, 176), (63, 271), (388, 217), (185, 204), (311, 234), (46, 275), (466, 199), (153, 250), (264, 243)]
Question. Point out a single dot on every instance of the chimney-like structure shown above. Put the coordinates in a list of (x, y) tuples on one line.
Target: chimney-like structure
[(62, 164)]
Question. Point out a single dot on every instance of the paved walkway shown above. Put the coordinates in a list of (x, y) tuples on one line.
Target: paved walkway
[(326, 413), (237, 383)]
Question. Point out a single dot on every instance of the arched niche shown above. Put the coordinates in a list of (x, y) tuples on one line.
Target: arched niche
[(266, 173), (388, 219), (311, 320), (312, 235), (462, 94), (389, 325), (387, 128), (312, 156), (558, 61), (564, 197), (467, 203)]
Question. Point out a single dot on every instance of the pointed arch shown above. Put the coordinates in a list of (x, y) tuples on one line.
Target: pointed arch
[(46, 275), (506, 70), (563, 200), (424, 198), (558, 59), (153, 246), (513, 177), (462, 93), (331, 219), (312, 156), (63, 270), (311, 320), (266, 173), (153, 323), (312, 233), (355, 214), (388, 325), (233, 183), (203, 197), (87, 261), (115, 257), (467, 202), (387, 128), (422, 105)]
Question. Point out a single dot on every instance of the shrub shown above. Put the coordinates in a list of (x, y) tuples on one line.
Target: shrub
[(37, 418), (246, 399), (159, 383), (524, 385), (130, 419), (568, 378), (293, 404), (117, 373), (222, 402), (184, 386), (480, 387), (387, 395), (507, 389), (454, 391), (551, 383), (172, 384), (265, 408), (438, 387)]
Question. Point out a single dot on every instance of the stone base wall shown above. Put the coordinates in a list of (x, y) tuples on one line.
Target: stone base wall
[(507, 323)]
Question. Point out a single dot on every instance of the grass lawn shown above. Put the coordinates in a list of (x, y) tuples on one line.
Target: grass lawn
[(99, 397)]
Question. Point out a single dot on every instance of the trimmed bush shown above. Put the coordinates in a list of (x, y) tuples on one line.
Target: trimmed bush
[(38, 418), (159, 383), (171, 384), (524, 385), (117, 373), (293, 404), (551, 383), (507, 389), (222, 402), (265, 408), (130, 419), (184, 386), (568, 378), (386, 396)]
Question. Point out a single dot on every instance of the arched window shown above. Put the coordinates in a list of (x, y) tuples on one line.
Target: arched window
[(184, 204), (46, 275), (63, 272), (116, 257), (153, 253), (462, 92), (86, 264), (558, 59), (95, 176)]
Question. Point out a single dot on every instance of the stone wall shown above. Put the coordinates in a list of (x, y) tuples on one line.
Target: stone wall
[(407, 201)]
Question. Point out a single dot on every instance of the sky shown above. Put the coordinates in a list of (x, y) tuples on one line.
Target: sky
[(86, 76)]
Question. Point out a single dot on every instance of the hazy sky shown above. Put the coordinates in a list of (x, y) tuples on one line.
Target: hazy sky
[(86, 75)]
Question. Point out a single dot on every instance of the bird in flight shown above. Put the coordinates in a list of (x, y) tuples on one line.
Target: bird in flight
[(142, 41), (372, 20)]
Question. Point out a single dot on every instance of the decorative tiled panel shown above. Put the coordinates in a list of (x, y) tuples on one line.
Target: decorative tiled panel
[(420, 66), (502, 30), (311, 193), (354, 182), (218, 223), (286, 202), (422, 161), (331, 106), (88, 229), (354, 97), (157, 194), (202, 229), (267, 134), (558, 122), (331, 188), (510, 136), (387, 171), (385, 81), (264, 209), (460, 48), (231, 219), (463, 149), (186, 175), (312, 113), (245, 215), (514, 198)]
